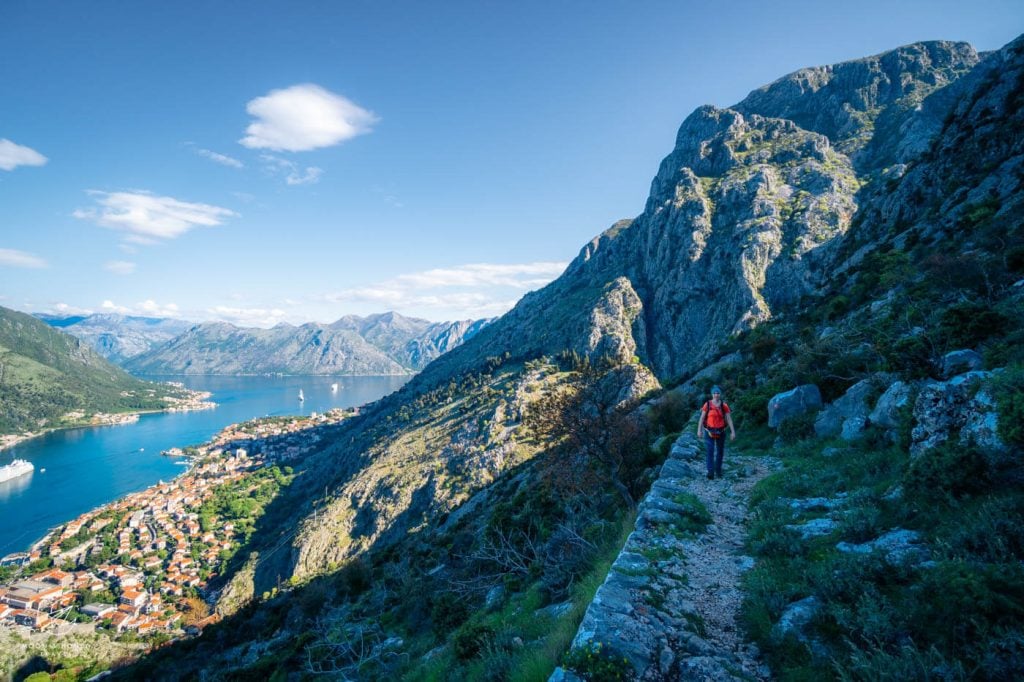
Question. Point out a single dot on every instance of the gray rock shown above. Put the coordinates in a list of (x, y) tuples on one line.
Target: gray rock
[(796, 617), (814, 504), (962, 407), (960, 361), (814, 528), (705, 668), (555, 611), (897, 546), (793, 403), (847, 416), (673, 468), (562, 675), (853, 428), (494, 597), (891, 405)]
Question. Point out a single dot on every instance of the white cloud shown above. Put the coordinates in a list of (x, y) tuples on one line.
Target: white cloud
[(148, 218), (20, 259), (248, 317), (67, 310), (147, 308), (222, 159), (275, 165), (119, 267), (304, 117), (13, 155), (474, 290), (522, 276)]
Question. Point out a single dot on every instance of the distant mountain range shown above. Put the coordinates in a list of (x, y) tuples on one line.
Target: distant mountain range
[(387, 343), (50, 378), (119, 337)]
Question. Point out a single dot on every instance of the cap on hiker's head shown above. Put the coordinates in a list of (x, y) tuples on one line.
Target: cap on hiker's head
[(715, 389)]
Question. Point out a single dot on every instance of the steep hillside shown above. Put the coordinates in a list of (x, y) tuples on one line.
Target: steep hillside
[(46, 376), (846, 227), (375, 345)]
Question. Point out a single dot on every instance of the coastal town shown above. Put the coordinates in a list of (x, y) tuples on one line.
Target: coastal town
[(142, 565)]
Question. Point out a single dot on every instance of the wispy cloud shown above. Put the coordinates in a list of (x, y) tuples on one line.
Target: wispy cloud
[(147, 308), (222, 159), (293, 174), (247, 317), (119, 267), (20, 259), (304, 117), (473, 290), (147, 218), (13, 155)]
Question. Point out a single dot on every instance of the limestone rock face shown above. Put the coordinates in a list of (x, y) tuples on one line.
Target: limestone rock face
[(793, 403), (962, 407)]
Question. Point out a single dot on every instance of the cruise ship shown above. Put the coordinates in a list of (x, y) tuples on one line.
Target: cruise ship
[(18, 467)]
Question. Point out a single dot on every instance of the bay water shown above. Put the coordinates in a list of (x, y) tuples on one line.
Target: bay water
[(89, 467)]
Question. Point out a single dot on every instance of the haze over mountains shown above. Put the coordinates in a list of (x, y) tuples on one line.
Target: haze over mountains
[(384, 344)]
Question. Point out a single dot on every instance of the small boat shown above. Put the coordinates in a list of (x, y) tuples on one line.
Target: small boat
[(334, 388), (42, 471), (142, 449), (301, 397)]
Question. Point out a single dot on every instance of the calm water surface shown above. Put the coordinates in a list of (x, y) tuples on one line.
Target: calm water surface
[(89, 467)]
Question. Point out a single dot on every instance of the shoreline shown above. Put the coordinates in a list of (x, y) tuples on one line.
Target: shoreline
[(196, 401)]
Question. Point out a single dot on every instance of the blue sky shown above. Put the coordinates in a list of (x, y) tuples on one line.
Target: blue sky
[(297, 161)]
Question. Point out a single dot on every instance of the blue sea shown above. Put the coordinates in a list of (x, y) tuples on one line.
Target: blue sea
[(85, 468)]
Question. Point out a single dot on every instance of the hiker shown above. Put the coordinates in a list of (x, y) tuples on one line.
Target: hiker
[(714, 415)]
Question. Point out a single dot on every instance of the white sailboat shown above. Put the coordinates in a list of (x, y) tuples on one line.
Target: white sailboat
[(334, 388), (301, 397)]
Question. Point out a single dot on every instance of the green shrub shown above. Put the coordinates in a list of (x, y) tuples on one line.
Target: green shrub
[(470, 639), (596, 662), (1009, 390), (797, 428), (965, 325), (448, 611), (950, 470)]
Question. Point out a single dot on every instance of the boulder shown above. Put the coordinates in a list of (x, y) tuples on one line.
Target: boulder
[(890, 407), (793, 403), (796, 617), (960, 361), (847, 417)]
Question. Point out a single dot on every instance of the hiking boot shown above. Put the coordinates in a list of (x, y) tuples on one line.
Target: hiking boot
[(711, 475)]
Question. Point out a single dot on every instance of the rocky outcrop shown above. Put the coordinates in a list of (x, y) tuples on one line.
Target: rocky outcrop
[(793, 403), (961, 408)]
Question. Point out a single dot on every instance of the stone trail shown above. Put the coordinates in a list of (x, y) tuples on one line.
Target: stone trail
[(671, 602)]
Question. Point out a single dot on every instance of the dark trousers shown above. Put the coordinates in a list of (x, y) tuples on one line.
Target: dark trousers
[(716, 452)]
